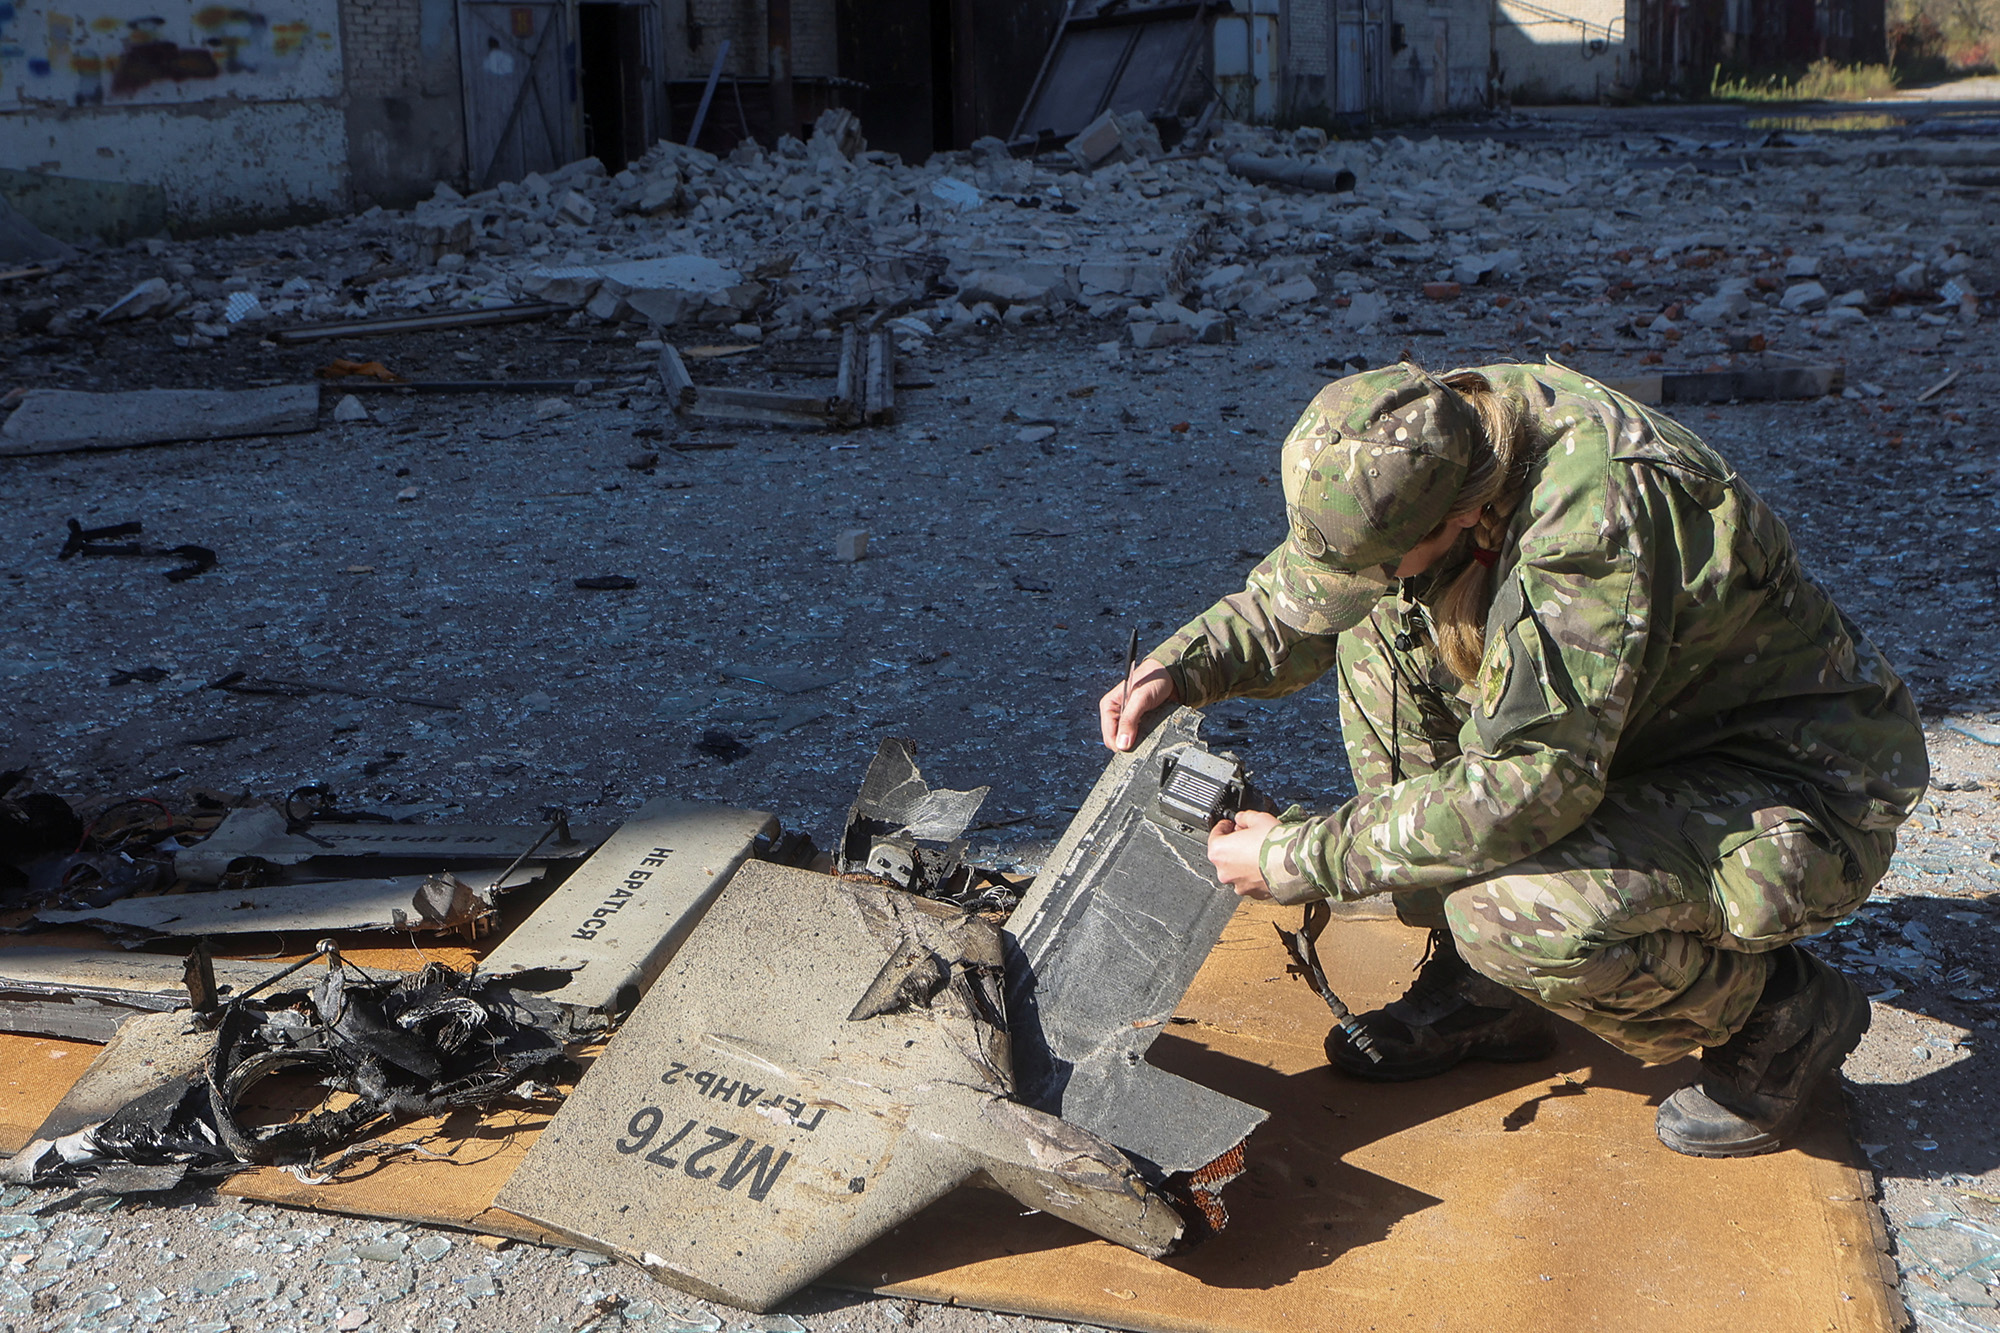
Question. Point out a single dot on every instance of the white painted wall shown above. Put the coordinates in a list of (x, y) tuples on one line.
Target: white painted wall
[(1562, 50), (137, 52), (239, 163), (1442, 66), (234, 110)]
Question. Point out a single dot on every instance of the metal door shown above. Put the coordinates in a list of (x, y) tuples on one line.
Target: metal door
[(520, 88), (1117, 61), (1374, 67), (1440, 65), (1350, 80), (1264, 65), (1246, 58)]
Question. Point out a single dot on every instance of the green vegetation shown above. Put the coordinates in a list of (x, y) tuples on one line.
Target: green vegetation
[(1845, 122), (1931, 41), (1823, 81)]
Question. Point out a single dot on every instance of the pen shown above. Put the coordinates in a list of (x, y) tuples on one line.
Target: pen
[(1131, 660)]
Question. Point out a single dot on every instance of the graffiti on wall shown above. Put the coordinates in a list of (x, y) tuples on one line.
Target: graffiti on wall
[(117, 52)]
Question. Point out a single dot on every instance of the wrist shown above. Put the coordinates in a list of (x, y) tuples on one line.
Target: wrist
[(1186, 688), (1282, 862)]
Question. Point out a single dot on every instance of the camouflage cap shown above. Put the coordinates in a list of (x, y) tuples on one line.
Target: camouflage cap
[(1370, 470)]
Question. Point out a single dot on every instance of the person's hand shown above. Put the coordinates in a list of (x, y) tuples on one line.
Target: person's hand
[(1119, 715), (1233, 845)]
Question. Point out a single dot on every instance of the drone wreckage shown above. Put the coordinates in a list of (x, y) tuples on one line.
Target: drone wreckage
[(767, 1099)]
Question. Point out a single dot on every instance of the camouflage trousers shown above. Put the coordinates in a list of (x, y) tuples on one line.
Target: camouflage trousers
[(1650, 925)]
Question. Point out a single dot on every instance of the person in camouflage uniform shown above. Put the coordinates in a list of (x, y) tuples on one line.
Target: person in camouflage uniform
[(1612, 746)]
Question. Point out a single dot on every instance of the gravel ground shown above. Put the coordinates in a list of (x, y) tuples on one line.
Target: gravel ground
[(1040, 497)]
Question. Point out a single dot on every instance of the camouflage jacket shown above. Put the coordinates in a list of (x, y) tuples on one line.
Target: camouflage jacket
[(1648, 609)]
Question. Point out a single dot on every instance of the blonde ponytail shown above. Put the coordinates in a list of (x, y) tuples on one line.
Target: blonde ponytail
[(1493, 489)]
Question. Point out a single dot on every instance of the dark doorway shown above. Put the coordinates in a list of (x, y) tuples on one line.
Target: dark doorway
[(937, 74), (945, 90), (613, 42), (890, 48)]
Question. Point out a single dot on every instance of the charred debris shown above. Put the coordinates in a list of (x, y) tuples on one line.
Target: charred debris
[(1006, 1022)]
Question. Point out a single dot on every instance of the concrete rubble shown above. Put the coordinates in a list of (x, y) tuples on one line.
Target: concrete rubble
[(21, 242), (60, 420), (1163, 248)]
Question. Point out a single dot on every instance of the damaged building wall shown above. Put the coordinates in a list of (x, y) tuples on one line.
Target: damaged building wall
[(233, 112), (997, 50), (1771, 34), (1439, 59), (1571, 51), (1315, 61), (1677, 45), (1308, 54), (213, 167), (405, 108), (694, 34), (273, 111), (885, 48), (696, 31), (922, 75)]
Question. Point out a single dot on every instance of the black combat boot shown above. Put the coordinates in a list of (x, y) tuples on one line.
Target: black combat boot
[(1755, 1088), (1450, 1013)]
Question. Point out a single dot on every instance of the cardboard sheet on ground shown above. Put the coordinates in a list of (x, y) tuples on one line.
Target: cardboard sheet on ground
[(1503, 1197), (1512, 1197), (35, 1074), (454, 1189)]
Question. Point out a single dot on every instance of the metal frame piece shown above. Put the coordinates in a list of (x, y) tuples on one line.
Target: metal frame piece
[(903, 830), (1102, 950), (87, 994), (436, 903), (1116, 58), (263, 833), (864, 391)]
